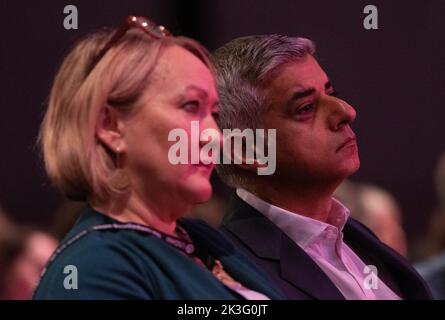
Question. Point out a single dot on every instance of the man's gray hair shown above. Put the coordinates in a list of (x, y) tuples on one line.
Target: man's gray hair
[(242, 67)]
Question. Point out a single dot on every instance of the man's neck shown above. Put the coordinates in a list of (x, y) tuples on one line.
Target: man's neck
[(315, 203)]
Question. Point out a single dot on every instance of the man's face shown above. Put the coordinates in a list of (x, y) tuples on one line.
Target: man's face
[(315, 143)]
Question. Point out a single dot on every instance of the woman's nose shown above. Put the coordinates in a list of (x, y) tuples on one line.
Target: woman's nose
[(209, 125)]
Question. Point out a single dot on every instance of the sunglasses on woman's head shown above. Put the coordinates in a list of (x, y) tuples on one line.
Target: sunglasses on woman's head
[(152, 29)]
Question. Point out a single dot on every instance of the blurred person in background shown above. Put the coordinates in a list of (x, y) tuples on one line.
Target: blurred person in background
[(432, 268), (377, 209), (24, 253)]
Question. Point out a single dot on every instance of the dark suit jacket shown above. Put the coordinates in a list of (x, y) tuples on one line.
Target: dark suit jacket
[(297, 275)]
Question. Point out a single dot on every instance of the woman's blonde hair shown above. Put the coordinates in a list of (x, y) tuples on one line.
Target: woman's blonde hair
[(76, 161)]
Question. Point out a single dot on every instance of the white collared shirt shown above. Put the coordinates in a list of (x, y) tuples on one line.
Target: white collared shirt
[(323, 242)]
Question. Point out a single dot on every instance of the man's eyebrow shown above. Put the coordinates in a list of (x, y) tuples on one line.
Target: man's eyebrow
[(309, 91), (302, 94)]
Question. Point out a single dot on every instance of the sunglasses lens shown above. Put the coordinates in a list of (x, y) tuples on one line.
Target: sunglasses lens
[(156, 31)]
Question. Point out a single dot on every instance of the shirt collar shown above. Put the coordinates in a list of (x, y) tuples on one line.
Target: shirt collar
[(301, 229)]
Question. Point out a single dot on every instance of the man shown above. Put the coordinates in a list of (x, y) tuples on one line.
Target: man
[(288, 222)]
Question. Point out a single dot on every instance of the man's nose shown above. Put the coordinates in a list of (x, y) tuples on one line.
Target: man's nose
[(341, 113)]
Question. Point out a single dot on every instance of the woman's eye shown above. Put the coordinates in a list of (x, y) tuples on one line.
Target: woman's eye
[(305, 109), (191, 106)]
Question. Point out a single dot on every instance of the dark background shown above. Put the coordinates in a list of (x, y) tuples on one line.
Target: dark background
[(394, 76)]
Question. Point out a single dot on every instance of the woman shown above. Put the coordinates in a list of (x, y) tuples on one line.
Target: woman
[(105, 140)]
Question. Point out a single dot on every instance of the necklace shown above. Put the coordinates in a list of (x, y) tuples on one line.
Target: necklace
[(183, 243)]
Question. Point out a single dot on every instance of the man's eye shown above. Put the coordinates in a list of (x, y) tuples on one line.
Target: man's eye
[(305, 109), (191, 106)]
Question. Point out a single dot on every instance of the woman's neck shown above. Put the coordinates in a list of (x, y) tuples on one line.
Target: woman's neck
[(132, 209)]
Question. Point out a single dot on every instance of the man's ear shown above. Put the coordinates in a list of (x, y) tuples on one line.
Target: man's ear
[(251, 164), (109, 129)]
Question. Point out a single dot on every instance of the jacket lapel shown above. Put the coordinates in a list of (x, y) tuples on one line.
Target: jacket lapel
[(393, 269), (300, 270), (267, 241)]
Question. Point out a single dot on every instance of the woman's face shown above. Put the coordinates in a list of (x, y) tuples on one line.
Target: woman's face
[(182, 90)]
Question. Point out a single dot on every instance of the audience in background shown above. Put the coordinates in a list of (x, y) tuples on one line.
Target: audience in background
[(377, 209), (23, 254), (433, 268)]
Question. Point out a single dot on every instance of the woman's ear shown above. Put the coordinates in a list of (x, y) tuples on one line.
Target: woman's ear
[(109, 129)]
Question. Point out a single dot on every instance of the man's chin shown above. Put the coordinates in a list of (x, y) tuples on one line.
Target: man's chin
[(351, 167), (356, 165)]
